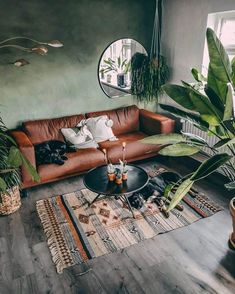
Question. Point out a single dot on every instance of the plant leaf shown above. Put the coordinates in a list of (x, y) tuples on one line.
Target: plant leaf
[(224, 142), (164, 139), (210, 165), (179, 149), (228, 111), (230, 186), (220, 88), (195, 138), (194, 101), (233, 71), (14, 157), (215, 99), (219, 60), (30, 168), (193, 118), (3, 184), (182, 190), (198, 76)]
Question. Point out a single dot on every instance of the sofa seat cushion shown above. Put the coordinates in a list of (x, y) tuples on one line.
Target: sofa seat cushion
[(79, 161), (125, 119), (43, 130), (134, 149)]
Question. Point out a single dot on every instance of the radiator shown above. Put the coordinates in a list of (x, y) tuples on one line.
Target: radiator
[(188, 127)]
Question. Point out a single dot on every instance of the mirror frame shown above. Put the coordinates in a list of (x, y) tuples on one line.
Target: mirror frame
[(115, 97)]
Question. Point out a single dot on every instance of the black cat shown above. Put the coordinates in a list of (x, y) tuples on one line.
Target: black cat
[(51, 152)]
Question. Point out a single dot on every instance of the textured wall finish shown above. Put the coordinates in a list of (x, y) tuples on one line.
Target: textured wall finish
[(185, 25), (64, 82)]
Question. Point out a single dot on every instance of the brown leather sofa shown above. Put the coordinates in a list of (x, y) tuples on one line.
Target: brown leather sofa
[(130, 125)]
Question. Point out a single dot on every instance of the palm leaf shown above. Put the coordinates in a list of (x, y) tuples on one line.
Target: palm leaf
[(210, 165)]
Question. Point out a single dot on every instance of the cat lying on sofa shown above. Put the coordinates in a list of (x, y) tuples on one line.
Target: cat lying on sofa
[(51, 152)]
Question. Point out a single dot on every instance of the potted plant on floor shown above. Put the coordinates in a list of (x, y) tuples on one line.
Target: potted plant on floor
[(11, 160), (210, 108)]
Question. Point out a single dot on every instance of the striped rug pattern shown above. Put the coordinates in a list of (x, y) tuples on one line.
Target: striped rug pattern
[(76, 232)]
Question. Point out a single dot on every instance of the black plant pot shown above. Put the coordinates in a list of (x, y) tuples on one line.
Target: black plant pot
[(121, 80)]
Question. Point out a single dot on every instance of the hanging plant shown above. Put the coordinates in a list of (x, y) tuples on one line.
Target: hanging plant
[(149, 73)]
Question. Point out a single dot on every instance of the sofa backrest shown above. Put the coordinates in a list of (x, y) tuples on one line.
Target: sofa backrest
[(125, 119), (49, 129)]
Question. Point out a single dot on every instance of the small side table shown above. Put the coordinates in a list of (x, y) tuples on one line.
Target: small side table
[(96, 180)]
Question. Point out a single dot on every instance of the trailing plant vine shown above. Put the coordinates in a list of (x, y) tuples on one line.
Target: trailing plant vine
[(149, 73)]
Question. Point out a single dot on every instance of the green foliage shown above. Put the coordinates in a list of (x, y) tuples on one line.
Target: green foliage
[(211, 110), (11, 159), (147, 76), (210, 165), (117, 66), (179, 149), (164, 139)]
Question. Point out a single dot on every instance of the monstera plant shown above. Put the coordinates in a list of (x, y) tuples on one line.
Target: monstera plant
[(11, 160), (210, 108)]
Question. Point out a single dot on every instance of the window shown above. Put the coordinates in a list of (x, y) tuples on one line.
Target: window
[(223, 23), (226, 34)]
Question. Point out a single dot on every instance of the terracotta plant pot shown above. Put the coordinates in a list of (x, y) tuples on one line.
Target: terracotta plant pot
[(118, 180), (111, 177), (124, 176), (10, 201), (232, 211)]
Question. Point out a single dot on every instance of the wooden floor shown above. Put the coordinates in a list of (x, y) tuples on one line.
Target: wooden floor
[(193, 259)]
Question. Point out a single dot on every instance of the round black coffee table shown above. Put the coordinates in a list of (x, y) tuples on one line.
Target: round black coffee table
[(97, 181)]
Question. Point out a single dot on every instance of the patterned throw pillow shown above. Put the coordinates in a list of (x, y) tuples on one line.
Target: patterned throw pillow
[(79, 137), (100, 128)]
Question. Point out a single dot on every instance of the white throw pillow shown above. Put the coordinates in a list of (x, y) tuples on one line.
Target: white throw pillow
[(100, 128), (79, 138)]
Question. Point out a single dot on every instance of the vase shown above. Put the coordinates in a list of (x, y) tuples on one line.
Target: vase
[(118, 180), (232, 212), (121, 80), (124, 176), (111, 176), (10, 201)]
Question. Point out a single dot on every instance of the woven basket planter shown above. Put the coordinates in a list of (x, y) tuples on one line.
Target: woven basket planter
[(10, 201)]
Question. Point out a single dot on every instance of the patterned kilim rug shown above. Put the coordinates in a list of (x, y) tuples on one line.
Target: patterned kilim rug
[(76, 233)]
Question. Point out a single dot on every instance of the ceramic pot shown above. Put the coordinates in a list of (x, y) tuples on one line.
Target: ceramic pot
[(111, 177), (232, 212), (121, 80), (124, 176), (118, 180)]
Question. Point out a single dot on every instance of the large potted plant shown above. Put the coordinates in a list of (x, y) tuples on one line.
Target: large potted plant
[(11, 160), (210, 107)]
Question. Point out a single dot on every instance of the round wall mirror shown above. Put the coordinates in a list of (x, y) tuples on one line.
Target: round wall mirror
[(114, 71)]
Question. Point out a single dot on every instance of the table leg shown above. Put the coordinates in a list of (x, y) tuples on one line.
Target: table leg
[(129, 205), (94, 200)]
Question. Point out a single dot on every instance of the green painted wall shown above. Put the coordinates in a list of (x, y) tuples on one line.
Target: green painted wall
[(65, 81)]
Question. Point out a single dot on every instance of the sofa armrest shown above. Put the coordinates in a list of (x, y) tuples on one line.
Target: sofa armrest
[(27, 149), (152, 123)]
